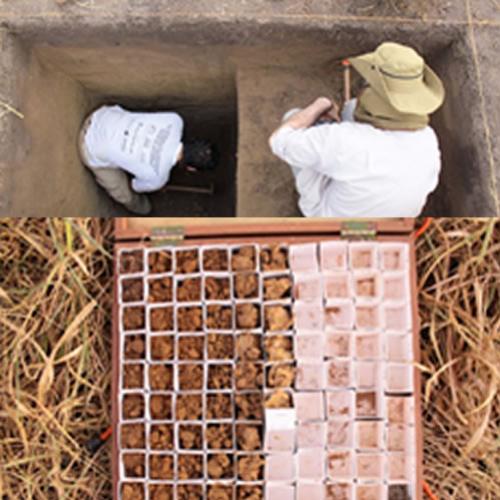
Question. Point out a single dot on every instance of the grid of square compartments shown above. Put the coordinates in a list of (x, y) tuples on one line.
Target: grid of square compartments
[(195, 367), (351, 432)]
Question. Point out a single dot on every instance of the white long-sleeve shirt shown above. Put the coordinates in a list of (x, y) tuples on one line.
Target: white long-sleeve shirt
[(354, 169), (146, 145)]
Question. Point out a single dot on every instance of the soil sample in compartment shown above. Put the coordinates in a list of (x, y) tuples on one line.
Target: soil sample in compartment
[(161, 377), (190, 437), (188, 407), (160, 290), (248, 347), (399, 492), (189, 319), (247, 316), (274, 258), (219, 492), (189, 290), (215, 259), (277, 288), (219, 406), (133, 318), (133, 406), (246, 285), (280, 375), (190, 492), (133, 376), (161, 466), (162, 348), (220, 436), (278, 347), (338, 492), (279, 399), (217, 288), (249, 375), (189, 467), (220, 346), (131, 262), (244, 259), (132, 491), (187, 262), (220, 377), (161, 492), (134, 464), (132, 436), (249, 406), (190, 377), (248, 437), (254, 492), (132, 290), (366, 404), (160, 406), (162, 319), (219, 317), (278, 318), (191, 347), (161, 437), (220, 466), (160, 262), (134, 347), (250, 468)]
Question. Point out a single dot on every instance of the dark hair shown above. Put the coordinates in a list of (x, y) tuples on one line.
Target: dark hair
[(199, 154)]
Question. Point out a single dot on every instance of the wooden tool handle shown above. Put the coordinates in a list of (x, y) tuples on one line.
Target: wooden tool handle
[(347, 80), (208, 190)]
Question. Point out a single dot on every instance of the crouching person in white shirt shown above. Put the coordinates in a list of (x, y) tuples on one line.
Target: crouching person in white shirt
[(116, 144), (383, 158)]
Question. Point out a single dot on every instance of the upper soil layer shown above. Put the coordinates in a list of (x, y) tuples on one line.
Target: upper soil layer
[(254, 60)]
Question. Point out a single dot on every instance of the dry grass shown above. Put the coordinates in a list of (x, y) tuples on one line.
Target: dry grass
[(55, 367)]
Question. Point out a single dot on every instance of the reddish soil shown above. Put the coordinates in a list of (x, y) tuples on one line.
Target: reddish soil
[(132, 491), (162, 319), (274, 258), (249, 406), (161, 467), (133, 376), (219, 406), (220, 466), (219, 317), (161, 290), (133, 406), (134, 464), (219, 492), (187, 262), (220, 436), (278, 347), (281, 375), (250, 493), (132, 290), (191, 437), (248, 437), (161, 377), (160, 262), (220, 377), (215, 260), (161, 437), (189, 466), (250, 468), (278, 318), (277, 288), (189, 492), (162, 348), (247, 316), (191, 347), (160, 406), (190, 377), (279, 399), (189, 319), (217, 288), (161, 492), (132, 436), (189, 290), (131, 262), (135, 347), (244, 259), (133, 318), (220, 346), (188, 407), (249, 375), (246, 285), (248, 347)]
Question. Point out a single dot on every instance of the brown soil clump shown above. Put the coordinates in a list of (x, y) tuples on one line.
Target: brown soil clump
[(189, 290), (132, 262), (161, 467), (190, 377), (133, 376), (278, 318), (215, 260), (160, 262), (277, 288), (161, 492), (132, 290), (246, 285), (279, 399), (160, 290), (162, 319), (220, 346), (247, 316), (133, 406), (278, 347), (187, 262), (190, 467), (162, 348), (220, 377), (133, 318), (219, 492), (135, 347), (219, 406), (132, 436), (189, 492), (161, 437), (250, 493), (190, 437), (220, 466), (366, 404), (338, 492), (191, 347), (189, 319), (399, 492), (219, 317), (160, 407), (249, 375), (281, 375), (249, 406), (134, 464), (248, 437), (220, 436), (274, 258), (248, 347), (244, 259), (217, 288), (188, 407), (132, 491), (251, 468), (161, 377)]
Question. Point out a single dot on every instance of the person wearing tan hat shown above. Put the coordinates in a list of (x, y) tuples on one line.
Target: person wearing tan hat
[(380, 158)]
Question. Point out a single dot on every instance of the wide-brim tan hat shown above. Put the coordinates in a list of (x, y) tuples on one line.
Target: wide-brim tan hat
[(401, 76)]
